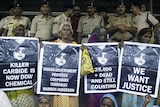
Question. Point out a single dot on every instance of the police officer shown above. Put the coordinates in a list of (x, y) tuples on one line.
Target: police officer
[(88, 22), (42, 25), (5, 19), (121, 26), (63, 18), (18, 18)]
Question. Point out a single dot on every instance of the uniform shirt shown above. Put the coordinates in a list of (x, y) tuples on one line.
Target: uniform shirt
[(87, 24), (25, 21), (59, 20), (140, 20), (115, 20), (4, 20), (1, 23), (42, 27)]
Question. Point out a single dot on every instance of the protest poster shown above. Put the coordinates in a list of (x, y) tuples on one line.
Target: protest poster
[(18, 62), (138, 69), (105, 62), (59, 72)]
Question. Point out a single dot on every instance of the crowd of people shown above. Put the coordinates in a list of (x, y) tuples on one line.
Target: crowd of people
[(73, 27)]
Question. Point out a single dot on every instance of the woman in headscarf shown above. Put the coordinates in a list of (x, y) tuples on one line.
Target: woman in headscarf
[(65, 34), (108, 100), (18, 30), (99, 34), (23, 97), (43, 101), (144, 36)]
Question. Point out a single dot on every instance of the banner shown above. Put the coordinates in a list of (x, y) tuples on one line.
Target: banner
[(105, 62), (18, 62), (59, 70), (138, 70)]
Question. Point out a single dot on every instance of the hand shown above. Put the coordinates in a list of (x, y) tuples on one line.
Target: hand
[(148, 98), (83, 47), (122, 28), (40, 42)]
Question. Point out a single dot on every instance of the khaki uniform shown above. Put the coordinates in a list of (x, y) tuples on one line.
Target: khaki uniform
[(42, 27), (59, 20), (140, 20), (116, 20), (4, 20), (87, 24), (25, 21)]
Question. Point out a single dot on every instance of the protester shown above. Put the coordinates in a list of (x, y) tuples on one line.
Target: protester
[(108, 100), (102, 58), (65, 34), (43, 101), (18, 30), (144, 36), (99, 34), (25, 97), (147, 100)]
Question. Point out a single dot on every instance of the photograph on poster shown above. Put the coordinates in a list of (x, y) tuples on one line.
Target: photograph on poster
[(138, 68)]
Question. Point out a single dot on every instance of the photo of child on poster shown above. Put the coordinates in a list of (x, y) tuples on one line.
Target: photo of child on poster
[(104, 58), (61, 56), (141, 55), (63, 62), (103, 55), (139, 64), (18, 62), (18, 49)]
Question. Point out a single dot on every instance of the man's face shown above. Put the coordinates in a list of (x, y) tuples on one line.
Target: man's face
[(91, 10), (70, 12), (121, 9), (77, 11), (11, 12), (133, 9), (45, 9), (103, 14), (18, 11), (143, 7)]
